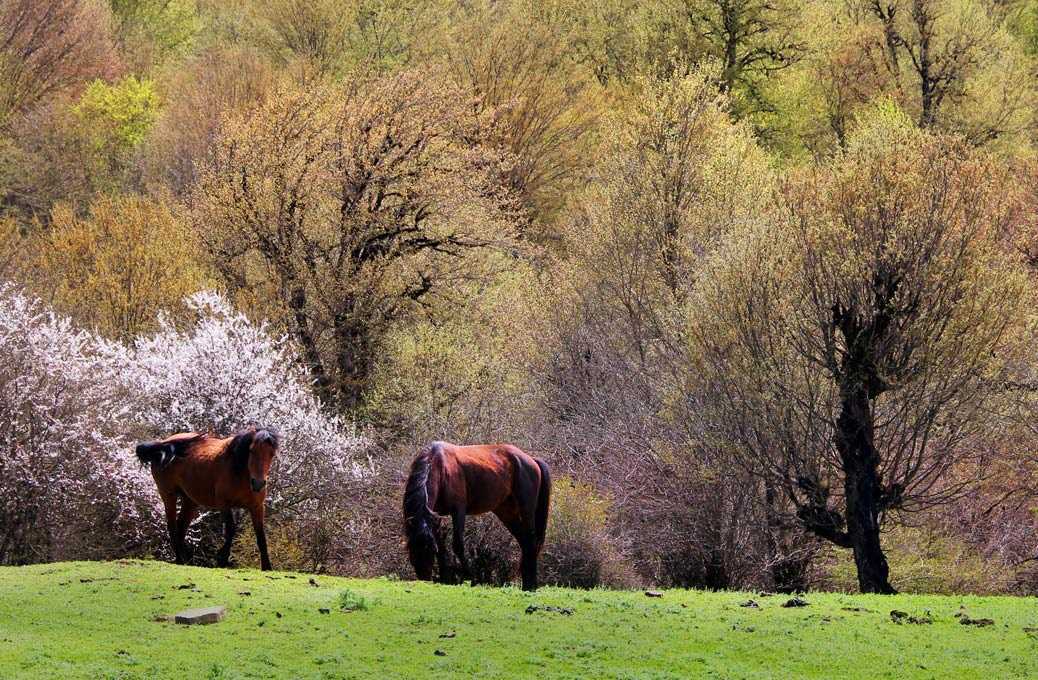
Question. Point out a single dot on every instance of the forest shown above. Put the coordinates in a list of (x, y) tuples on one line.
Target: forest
[(756, 277)]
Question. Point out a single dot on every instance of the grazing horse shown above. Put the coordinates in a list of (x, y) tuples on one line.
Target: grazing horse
[(457, 480), (222, 474)]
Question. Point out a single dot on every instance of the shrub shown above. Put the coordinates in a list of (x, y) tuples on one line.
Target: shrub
[(72, 404), (67, 484), (351, 602), (579, 551)]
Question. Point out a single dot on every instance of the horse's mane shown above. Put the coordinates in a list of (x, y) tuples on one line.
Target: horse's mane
[(416, 495), (242, 442)]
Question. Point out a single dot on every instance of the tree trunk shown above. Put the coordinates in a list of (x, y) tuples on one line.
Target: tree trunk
[(862, 489), (788, 573), (301, 330), (353, 354)]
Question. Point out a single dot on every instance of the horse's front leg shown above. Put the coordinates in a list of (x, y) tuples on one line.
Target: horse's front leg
[(458, 519), (261, 536)]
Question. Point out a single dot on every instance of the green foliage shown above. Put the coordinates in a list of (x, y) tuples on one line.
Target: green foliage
[(350, 601), (152, 31), (117, 117)]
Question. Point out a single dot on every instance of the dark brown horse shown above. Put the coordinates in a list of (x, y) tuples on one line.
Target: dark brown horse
[(221, 474), (469, 480)]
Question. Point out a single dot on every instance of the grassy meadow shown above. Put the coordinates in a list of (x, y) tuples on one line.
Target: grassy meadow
[(108, 620)]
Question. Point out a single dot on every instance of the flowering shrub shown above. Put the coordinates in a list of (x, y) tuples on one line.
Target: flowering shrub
[(72, 404), (63, 468), (223, 373)]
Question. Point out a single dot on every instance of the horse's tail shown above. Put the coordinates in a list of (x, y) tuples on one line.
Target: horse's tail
[(543, 503), (155, 454), (418, 518), (162, 453)]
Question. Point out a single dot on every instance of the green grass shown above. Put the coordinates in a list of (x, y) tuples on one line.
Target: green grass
[(105, 620)]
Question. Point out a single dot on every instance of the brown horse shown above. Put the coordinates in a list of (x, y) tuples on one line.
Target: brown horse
[(457, 480), (222, 474)]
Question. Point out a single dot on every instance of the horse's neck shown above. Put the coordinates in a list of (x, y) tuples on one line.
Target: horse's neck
[(432, 486)]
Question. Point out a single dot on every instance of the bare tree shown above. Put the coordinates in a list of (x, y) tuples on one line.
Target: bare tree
[(858, 343), (347, 207), (47, 46)]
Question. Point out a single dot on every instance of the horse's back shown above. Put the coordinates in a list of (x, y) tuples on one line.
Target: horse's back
[(203, 474), (483, 477)]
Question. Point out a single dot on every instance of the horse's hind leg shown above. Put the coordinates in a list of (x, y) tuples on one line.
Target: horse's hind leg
[(223, 557), (458, 519), (528, 563), (525, 535), (169, 504), (188, 512)]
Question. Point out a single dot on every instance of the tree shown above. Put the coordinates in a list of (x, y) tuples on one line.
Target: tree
[(150, 31), (950, 60), (68, 488), (212, 86), (620, 392), (352, 205), (334, 36), (544, 108), (49, 46), (114, 121), (855, 345), (751, 39), (118, 267), (68, 150)]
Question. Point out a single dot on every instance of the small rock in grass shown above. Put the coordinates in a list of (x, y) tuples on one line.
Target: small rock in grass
[(245, 593), (278, 614), (795, 602), (653, 593), (324, 610), (752, 604), (980, 623), (566, 611), (313, 582), (201, 616), (440, 652), (451, 634), (185, 586)]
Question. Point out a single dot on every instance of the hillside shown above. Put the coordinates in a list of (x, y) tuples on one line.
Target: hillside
[(93, 620)]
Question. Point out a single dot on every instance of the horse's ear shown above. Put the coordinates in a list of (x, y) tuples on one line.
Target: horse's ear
[(240, 446), (268, 436)]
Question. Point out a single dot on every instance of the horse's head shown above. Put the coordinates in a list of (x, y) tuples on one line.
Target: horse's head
[(253, 451), (421, 547)]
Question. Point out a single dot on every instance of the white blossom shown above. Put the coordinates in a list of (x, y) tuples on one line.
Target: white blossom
[(72, 404)]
